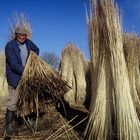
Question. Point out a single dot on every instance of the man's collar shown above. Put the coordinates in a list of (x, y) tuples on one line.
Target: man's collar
[(19, 44)]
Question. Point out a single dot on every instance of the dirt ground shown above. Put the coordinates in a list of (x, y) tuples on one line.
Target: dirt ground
[(54, 124)]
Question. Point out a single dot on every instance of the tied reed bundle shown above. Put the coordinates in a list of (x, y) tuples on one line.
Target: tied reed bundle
[(126, 117), (138, 69), (99, 125), (39, 82), (131, 49), (112, 114), (74, 69), (3, 81)]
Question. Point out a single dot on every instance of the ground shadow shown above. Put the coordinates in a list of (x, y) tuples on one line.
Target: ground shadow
[(69, 113)]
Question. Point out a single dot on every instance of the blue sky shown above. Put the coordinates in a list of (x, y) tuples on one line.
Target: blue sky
[(58, 22), (131, 15)]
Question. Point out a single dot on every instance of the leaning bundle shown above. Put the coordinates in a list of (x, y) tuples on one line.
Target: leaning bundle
[(39, 82), (74, 68), (131, 50)]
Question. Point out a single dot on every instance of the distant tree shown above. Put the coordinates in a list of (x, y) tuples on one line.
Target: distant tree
[(51, 58)]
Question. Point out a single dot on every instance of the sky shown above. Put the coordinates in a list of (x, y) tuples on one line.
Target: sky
[(56, 23)]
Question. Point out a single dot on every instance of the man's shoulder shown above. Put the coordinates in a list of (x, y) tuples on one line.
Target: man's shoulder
[(11, 42), (28, 41)]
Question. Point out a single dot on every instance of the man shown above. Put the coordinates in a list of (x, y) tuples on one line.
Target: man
[(17, 52)]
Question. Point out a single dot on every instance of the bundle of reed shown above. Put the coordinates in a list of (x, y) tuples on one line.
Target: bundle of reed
[(126, 117), (112, 114), (73, 68), (131, 49), (138, 70), (39, 82), (99, 126), (3, 81), (19, 20)]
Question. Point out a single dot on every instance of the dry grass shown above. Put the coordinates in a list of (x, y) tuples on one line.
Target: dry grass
[(115, 83), (131, 48), (3, 81), (52, 125), (49, 125), (112, 95), (99, 124), (39, 84), (74, 68)]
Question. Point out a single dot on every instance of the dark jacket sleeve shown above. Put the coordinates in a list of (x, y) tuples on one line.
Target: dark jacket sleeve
[(33, 47), (12, 60)]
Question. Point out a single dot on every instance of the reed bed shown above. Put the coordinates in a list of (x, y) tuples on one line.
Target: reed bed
[(112, 112), (74, 68), (39, 85)]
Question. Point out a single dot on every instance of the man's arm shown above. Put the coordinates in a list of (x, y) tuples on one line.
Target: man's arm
[(33, 47)]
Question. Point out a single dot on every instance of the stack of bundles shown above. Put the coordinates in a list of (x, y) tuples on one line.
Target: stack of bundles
[(74, 68), (39, 82), (131, 49), (112, 111)]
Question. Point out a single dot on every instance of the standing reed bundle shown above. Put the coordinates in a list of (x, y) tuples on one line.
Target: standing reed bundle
[(3, 81), (105, 32), (99, 125), (138, 70), (127, 120), (74, 68), (137, 76), (131, 49), (39, 82)]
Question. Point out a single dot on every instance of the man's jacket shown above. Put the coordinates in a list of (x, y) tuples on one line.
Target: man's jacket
[(14, 67)]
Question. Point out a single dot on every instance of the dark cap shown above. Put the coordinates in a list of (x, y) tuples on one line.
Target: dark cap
[(20, 30)]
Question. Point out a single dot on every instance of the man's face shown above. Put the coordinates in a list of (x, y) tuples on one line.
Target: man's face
[(21, 38)]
